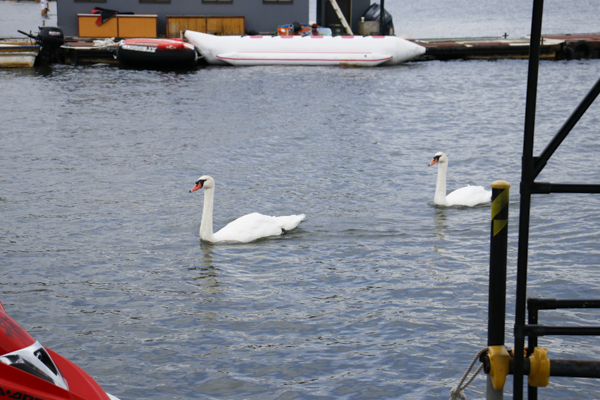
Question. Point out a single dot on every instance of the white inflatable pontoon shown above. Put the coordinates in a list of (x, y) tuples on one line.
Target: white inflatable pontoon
[(366, 51)]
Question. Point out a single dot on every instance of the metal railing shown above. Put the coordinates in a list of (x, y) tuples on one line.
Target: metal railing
[(531, 167)]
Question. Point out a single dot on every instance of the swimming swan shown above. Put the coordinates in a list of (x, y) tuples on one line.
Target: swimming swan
[(244, 229), (466, 196)]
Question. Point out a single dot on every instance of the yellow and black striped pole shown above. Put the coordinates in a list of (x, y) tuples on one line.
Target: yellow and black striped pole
[(498, 248), (497, 354)]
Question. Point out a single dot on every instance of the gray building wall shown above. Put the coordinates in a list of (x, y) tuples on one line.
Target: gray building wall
[(259, 17)]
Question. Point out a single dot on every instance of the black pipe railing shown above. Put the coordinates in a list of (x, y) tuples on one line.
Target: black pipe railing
[(534, 305), (540, 162), (547, 188), (531, 168), (564, 368), (542, 330), (567, 368), (527, 178)]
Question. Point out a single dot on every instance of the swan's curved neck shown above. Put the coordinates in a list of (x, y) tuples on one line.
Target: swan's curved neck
[(440, 187), (206, 225)]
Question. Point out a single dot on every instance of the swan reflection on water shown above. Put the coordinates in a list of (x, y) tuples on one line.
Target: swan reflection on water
[(441, 223), (207, 249), (207, 272)]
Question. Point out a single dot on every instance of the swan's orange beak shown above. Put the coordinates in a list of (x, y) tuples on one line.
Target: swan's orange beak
[(198, 186), (434, 161)]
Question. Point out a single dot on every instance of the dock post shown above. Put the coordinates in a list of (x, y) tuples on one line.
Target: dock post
[(497, 352), (382, 18)]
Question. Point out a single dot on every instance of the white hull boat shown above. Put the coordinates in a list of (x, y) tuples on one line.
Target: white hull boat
[(366, 51), (16, 55)]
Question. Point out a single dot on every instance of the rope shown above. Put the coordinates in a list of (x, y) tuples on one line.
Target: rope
[(108, 42), (457, 392)]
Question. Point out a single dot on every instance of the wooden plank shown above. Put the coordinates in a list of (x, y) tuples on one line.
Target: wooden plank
[(233, 26), (216, 25), (177, 24), (198, 24), (88, 27)]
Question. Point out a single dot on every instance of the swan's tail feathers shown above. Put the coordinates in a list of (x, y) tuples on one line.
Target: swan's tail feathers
[(290, 222)]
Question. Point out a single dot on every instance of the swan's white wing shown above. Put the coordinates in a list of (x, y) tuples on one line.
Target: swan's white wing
[(469, 196), (289, 222), (255, 226)]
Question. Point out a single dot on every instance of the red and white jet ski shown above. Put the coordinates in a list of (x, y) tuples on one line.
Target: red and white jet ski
[(29, 371)]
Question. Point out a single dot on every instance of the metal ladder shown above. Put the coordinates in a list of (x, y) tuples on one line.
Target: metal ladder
[(340, 15), (531, 167)]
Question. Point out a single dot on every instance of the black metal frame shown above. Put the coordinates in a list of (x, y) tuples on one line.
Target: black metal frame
[(531, 168), (570, 368)]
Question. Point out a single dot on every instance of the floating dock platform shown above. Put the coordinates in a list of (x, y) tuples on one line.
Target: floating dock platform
[(552, 47), (77, 51)]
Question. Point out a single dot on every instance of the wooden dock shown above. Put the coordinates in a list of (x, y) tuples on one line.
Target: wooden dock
[(85, 52), (553, 47)]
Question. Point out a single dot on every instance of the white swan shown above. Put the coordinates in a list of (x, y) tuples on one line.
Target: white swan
[(244, 229), (466, 196)]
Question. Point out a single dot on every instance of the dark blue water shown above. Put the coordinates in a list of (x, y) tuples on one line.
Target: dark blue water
[(377, 295)]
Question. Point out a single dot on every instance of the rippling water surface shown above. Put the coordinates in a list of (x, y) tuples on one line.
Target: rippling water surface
[(377, 295)]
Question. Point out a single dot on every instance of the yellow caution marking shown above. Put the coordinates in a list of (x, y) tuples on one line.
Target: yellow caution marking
[(500, 184), (499, 203), (499, 224)]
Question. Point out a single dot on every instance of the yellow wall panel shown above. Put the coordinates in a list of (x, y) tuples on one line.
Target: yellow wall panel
[(142, 26), (88, 27), (120, 26)]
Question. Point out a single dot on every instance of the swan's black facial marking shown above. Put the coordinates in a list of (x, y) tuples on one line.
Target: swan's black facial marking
[(436, 158), (199, 184)]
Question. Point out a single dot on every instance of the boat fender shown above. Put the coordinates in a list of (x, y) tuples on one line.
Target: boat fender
[(568, 53), (583, 49)]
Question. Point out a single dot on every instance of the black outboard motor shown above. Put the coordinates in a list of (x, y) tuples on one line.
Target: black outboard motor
[(372, 14), (50, 39)]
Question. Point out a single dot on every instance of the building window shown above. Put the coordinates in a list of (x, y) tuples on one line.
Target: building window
[(155, 1), (218, 1), (278, 1)]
